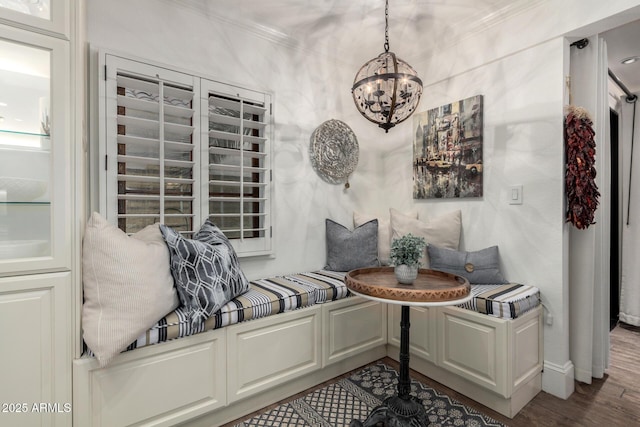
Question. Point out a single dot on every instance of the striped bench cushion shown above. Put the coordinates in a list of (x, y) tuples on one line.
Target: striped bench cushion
[(506, 301), (327, 285), (264, 298), (290, 292)]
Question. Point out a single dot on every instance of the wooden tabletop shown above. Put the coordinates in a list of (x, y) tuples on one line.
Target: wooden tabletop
[(430, 286)]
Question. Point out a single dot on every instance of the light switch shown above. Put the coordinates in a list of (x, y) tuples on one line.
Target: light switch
[(515, 195)]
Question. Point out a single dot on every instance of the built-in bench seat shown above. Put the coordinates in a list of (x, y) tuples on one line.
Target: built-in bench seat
[(290, 332), (290, 292), (265, 297), (504, 301)]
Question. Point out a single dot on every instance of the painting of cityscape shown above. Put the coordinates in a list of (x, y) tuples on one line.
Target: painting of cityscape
[(447, 151)]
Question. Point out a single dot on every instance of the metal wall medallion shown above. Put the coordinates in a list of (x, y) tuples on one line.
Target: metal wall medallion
[(334, 152)]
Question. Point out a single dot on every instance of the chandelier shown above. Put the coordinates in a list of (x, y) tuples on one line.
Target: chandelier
[(386, 90)]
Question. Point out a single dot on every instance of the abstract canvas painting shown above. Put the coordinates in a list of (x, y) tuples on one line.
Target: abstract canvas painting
[(447, 150)]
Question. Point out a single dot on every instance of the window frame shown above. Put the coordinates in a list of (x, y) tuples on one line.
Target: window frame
[(243, 246), (109, 65)]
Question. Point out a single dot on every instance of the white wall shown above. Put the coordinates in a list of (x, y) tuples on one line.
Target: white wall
[(519, 67), (523, 122), (308, 91)]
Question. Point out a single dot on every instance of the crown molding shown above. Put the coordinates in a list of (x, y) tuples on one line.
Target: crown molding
[(204, 8), (477, 24), (471, 26)]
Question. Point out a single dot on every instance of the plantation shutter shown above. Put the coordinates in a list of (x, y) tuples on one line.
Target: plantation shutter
[(178, 148), (151, 147), (238, 170)]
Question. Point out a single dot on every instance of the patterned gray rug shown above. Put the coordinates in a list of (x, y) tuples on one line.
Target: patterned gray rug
[(354, 397)]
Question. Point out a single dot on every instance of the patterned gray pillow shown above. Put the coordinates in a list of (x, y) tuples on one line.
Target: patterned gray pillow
[(480, 267), (348, 250), (206, 271)]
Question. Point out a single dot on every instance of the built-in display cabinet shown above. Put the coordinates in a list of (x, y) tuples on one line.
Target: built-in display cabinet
[(34, 152), (36, 213), (44, 16)]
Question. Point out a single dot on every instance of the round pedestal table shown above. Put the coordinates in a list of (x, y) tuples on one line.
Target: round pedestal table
[(431, 288)]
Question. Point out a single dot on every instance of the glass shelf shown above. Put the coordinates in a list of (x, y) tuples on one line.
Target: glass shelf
[(13, 132), (25, 203), (19, 140)]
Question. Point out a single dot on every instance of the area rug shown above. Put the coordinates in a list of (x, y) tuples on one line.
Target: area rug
[(355, 396)]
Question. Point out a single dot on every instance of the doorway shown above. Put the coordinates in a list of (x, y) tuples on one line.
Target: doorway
[(614, 256)]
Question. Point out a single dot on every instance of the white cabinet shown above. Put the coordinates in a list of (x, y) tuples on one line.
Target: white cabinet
[(352, 326), (50, 16), (34, 153), (35, 368), (159, 385), (423, 330), (274, 341), (36, 213), (496, 362)]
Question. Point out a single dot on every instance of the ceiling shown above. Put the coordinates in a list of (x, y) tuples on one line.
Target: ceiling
[(624, 42), (416, 27), (329, 26)]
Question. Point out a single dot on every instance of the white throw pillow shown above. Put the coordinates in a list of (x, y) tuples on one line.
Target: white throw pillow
[(442, 231), (384, 232), (127, 283)]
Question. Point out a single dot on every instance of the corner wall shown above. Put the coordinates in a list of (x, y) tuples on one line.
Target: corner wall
[(308, 90), (519, 66), (523, 128)]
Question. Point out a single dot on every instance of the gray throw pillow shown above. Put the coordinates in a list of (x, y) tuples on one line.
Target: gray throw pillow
[(481, 267), (206, 271), (348, 250)]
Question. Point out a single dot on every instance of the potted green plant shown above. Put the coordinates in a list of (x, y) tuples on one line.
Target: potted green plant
[(405, 256)]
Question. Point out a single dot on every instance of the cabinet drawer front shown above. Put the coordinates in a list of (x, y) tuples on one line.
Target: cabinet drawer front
[(474, 348), (148, 389), (528, 348), (352, 326), (422, 334), (272, 351), (34, 331)]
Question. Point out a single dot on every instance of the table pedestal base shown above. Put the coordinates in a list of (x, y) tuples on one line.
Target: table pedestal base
[(402, 409), (396, 412)]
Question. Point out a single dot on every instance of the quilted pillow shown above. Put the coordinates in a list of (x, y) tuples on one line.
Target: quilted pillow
[(206, 271), (127, 285), (348, 250), (442, 230), (384, 232), (479, 267)]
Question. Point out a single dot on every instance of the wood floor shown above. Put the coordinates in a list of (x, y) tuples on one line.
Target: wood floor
[(611, 401)]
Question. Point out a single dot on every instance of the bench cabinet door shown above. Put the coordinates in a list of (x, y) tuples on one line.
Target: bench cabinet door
[(272, 352), (352, 326)]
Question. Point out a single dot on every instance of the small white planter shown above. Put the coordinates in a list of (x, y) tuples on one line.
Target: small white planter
[(405, 274)]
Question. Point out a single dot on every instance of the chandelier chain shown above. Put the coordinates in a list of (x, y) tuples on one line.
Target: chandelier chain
[(386, 26)]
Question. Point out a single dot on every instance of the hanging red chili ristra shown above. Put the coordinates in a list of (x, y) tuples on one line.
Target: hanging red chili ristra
[(580, 175)]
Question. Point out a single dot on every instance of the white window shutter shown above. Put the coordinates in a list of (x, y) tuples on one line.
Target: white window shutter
[(181, 148), (239, 166), (151, 150)]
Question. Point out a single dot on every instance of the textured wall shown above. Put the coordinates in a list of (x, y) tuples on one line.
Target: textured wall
[(308, 91), (518, 66)]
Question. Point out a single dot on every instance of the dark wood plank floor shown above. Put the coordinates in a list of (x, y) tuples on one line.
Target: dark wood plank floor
[(611, 401)]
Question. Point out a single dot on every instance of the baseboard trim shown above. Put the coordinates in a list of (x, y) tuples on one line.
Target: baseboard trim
[(558, 380)]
